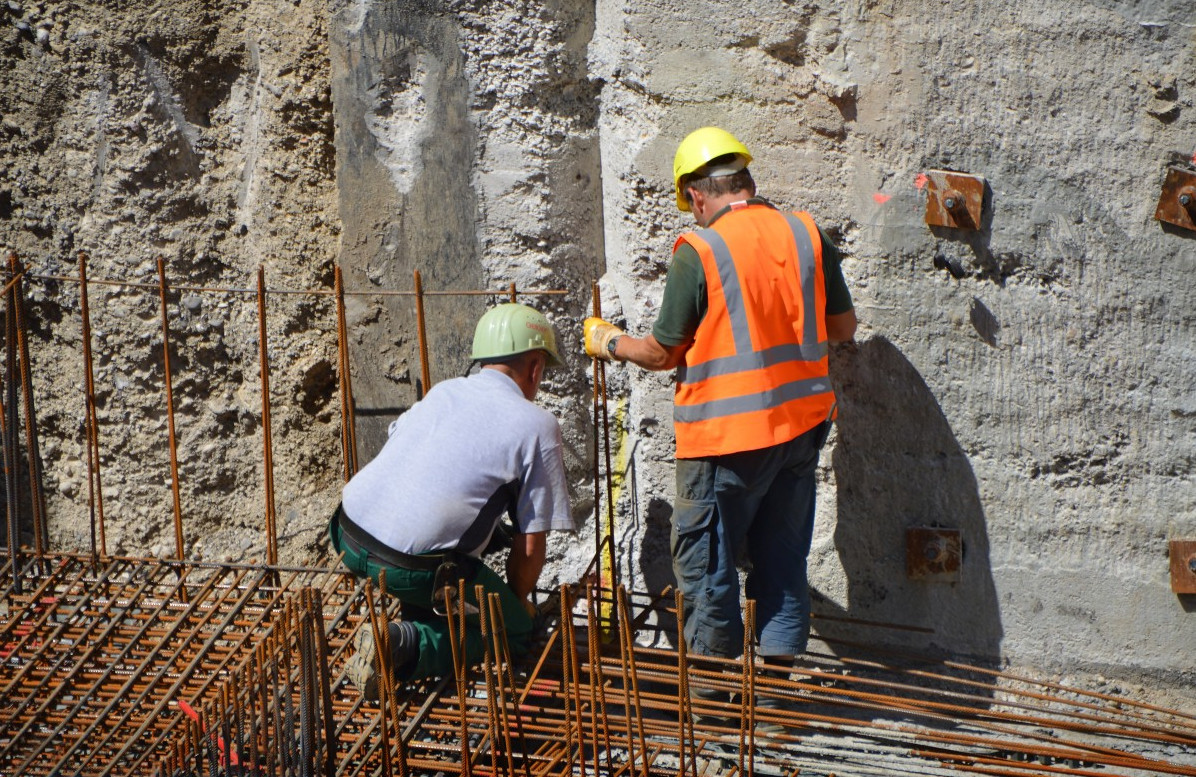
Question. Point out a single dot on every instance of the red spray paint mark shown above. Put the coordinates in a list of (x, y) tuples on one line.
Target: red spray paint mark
[(880, 198), (920, 181), (227, 757)]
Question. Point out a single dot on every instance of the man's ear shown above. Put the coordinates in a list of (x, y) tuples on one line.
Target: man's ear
[(539, 363)]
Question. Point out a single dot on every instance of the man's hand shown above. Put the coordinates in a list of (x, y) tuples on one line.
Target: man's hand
[(598, 334)]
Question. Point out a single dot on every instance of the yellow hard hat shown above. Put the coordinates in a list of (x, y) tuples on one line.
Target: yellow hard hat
[(698, 148)]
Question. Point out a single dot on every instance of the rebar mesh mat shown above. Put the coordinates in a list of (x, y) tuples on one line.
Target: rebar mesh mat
[(140, 667)]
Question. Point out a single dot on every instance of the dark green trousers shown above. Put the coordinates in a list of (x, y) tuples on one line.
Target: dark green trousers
[(414, 589)]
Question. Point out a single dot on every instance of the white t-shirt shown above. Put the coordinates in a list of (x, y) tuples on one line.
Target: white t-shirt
[(449, 454)]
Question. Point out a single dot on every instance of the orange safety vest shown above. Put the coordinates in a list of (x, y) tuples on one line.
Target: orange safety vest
[(756, 374)]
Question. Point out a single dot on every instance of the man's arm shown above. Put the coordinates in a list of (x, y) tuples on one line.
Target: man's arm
[(840, 327), (649, 353), (525, 563)]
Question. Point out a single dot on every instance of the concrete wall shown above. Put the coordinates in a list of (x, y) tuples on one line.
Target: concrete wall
[(1042, 401), (199, 133), (1029, 384)]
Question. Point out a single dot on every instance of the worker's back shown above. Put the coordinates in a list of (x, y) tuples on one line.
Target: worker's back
[(448, 456)]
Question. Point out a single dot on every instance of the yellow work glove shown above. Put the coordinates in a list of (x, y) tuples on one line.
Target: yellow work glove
[(598, 334)]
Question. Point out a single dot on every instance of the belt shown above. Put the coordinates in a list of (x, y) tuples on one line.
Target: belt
[(363, 541)]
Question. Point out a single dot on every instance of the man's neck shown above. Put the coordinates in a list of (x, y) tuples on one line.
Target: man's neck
[(714, 206), (522, 377)]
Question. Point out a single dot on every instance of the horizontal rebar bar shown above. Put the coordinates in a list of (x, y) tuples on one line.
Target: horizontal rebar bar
[(303, 292)]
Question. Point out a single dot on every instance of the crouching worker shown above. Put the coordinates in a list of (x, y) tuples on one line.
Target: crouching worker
[(471, 451)]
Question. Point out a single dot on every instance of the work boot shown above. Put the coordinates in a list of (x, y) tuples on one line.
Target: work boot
[(362, 666), (768, 710), (710, 708)]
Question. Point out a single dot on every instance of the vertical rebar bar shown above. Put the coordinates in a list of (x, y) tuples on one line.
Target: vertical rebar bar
[(11, 453), (596, 365), (611, 580), (747, 697), (685, 707), (422, 333), (382, 667), (324, 658), (488, 676), (503, 649), (598, 717), (394, 719), (456, 629), (174, 453), (348, 413), (95, 484), (631, 687), (267, 441), (32, 450), (512, 295), (572, 672)]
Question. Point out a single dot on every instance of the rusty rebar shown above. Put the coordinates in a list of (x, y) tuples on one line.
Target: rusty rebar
[(11, 437), (267, 439), (345, 373), (304, 292), (32, 450), (174, 453), (421, 331), (95, 483)]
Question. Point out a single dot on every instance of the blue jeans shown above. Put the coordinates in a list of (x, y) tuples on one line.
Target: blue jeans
[(761, 501)]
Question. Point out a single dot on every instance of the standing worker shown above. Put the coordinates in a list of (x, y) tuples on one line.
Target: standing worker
[(430, 504), (750, 303)]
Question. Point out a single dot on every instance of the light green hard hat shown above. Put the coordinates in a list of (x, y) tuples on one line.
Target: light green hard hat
[(510, 329)]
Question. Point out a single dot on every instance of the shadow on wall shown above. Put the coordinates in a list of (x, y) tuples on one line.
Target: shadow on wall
[(406, 147), (898, 465)]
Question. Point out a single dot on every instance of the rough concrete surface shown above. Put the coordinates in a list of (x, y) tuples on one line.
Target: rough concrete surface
[(1028, 384)]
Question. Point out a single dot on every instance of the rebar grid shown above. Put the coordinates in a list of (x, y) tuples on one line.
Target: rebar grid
[(102, 661), (120, 666), (135, 666)]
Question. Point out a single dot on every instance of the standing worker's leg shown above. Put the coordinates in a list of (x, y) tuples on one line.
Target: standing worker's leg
[(716, 499), (779, 543)]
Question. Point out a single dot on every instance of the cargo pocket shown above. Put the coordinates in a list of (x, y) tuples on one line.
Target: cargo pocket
[(692, 543)]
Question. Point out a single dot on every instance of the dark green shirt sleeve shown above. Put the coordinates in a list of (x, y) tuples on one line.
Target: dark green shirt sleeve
[(684, 302), (838, 297)]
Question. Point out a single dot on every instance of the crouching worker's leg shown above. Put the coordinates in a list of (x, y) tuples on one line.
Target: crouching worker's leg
[(421, 646), (435, 652), (362, 668)]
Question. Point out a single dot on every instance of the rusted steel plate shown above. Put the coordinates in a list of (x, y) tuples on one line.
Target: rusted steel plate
[(954, 200), (933, 554), (1177, 203)]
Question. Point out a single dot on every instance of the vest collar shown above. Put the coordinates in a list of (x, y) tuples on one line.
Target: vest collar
[(738, 206)]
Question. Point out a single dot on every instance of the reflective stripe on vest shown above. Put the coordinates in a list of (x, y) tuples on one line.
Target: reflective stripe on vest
[(810, 349), (788, 371)]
